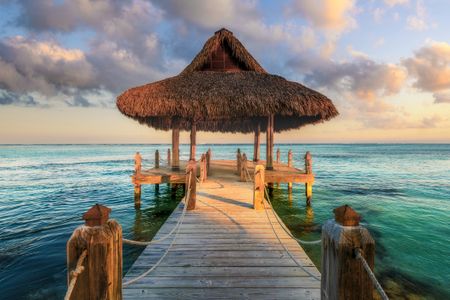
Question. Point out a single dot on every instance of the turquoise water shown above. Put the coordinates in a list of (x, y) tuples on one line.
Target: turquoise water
[(402, 192)]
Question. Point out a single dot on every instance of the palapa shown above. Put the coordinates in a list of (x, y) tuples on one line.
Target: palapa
[(225, 89)]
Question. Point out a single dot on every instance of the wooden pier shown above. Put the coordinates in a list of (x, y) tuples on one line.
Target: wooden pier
[(224, 249)]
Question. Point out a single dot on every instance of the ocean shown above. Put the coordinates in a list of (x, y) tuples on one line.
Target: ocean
[(402, 192)]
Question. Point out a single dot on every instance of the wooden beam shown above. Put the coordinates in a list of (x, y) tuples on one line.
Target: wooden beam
[(176, 148), (257, 143), (193, 142), (269, 143)]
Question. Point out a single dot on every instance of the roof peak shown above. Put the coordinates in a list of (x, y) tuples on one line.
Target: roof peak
[(223, 30)]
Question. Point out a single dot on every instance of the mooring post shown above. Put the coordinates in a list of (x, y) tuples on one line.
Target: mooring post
[(137, 195), (258, 188), (208, 161), (290, 158), (278, 155), (137, 163), (243, 170), (343, 274), (157, 159), (308, 170), (203, 168), (191, 177), (238, 158), (101, 275), (168, 158)]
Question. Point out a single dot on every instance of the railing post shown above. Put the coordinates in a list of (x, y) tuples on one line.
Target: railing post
[(308, 185), (156, 159), (168, 158), (102, 239), (343, 275), (203, 168), (238, 158), (278, 155), (137, 163), (191, 176), (258, 188), (243, 170), (208, 161), (290, 158)]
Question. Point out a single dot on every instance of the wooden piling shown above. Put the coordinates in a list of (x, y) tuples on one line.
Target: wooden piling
[(168, 157), (308, 185), (278, 155), (290, 158), (343, 275), (102, 239), (258, 188), (208, 161), (137, 195), (137, 163), (176, 149), (243, 171), (193, 142), (191, 176), (203, 168), (238, 159), (269, 143), (157, 159), (257, 143)]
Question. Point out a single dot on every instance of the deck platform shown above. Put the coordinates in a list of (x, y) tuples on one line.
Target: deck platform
[(223, 169), (224, 249)]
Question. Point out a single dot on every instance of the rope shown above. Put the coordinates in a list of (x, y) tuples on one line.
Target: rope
[(371, 275), (282, 224), (285, 248), (77, 271), (186, 200)]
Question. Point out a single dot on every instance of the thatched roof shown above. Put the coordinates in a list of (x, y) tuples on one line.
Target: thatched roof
[(225, 89)]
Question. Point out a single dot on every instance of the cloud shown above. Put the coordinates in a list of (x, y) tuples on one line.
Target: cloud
[(29, 65), (419, 21), (430, 70), (7, 97), (396, 2), (363, 77), (334, 15)]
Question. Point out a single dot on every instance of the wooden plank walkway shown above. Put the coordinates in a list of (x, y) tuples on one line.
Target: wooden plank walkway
[(224, 250)]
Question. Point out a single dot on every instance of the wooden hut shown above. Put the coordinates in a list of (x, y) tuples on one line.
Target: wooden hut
[(224, 89)]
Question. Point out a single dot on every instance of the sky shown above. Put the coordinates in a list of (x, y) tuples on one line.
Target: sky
[(384, 63)]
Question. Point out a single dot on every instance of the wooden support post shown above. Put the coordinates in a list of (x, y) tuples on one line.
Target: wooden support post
[(238, 159), (308, 185), (258, 188), (278, 155), (208, 161), (157, 159), (290, 158), (243, 171), (203, 168), (168, 157), (137, 163), (176, 149), (102, 239), (191, 176), (290, 187), (257, 143), (269, 143), (193, 142), (343, 275), (137, 195)]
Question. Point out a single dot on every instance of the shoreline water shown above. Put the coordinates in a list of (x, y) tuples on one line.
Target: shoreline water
[(396, 187)]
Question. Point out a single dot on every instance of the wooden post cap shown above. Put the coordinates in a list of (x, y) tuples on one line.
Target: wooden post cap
[(97, 215), (346, 216)]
